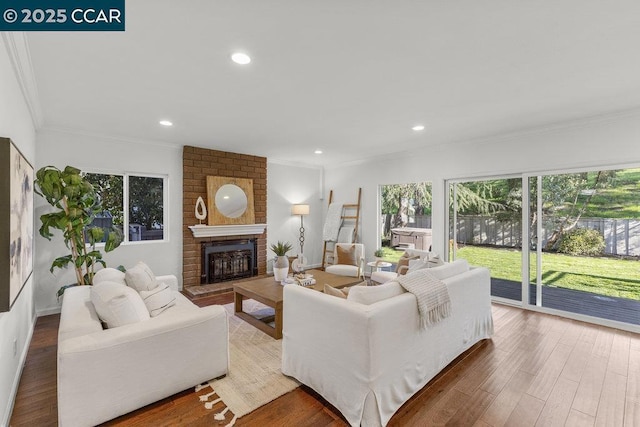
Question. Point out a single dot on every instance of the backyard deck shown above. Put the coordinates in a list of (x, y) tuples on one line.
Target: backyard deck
[(612, 308)]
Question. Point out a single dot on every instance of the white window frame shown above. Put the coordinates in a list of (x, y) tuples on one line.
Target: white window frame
[(125, 204)]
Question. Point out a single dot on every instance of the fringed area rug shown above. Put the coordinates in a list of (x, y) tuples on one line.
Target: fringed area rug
[(254, 377)]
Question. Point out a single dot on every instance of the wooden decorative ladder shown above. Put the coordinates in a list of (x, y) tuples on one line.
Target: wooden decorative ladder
[(350, 216)]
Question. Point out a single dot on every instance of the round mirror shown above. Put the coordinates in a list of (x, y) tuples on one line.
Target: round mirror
[(231, 201)]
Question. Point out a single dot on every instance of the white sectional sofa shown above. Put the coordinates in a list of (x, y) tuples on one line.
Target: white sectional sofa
[(105, 373), (367, 360)]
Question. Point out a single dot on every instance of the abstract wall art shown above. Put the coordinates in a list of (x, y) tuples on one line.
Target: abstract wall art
[(16, 222)]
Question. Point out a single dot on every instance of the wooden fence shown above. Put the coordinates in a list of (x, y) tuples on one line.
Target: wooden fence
[(621, 236)]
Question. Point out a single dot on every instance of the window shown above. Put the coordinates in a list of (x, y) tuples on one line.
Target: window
[(405, 218), (135, 203)]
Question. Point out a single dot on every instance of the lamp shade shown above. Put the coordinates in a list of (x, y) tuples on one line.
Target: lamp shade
[(300, 210)]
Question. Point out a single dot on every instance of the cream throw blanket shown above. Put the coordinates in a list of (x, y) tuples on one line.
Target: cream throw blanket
[(433, 299), (332, 222)]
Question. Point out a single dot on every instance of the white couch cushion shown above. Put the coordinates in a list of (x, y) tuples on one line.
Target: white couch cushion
[(117, 304), (445, 271), (372, 294), (141, 278), (158, 299), (109, 275), (343, 270)]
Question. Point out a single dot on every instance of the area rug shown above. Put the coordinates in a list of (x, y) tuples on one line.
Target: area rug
[(254, 377)]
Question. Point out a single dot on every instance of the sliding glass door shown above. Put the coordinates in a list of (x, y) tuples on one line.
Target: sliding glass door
[(485, 229), (581, 231), (584, 243)]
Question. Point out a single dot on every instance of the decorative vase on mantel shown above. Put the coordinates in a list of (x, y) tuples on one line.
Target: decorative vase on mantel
[(280, 268)]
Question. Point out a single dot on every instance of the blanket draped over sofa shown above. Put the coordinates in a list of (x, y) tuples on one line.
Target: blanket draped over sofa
[(431, 294), (368, 360)]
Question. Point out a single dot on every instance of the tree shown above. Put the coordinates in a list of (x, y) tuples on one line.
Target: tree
[(566, 197), (109, 189), (145, 201), (476, 198), (399, 199)]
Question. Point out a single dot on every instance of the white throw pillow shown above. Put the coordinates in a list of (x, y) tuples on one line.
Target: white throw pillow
[(417, 264), (435, 261), (158, 299), (372, 294), (117, 304), (445, 271), (109, 275), (141, 278)]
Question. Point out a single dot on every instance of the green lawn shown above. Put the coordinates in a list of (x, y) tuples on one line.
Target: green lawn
[(391, 255), (604, 276), (619, 200)]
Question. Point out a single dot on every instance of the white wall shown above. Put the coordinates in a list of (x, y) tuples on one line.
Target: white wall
[(100, 154), (287, 185), (17, 324), (597, 142)]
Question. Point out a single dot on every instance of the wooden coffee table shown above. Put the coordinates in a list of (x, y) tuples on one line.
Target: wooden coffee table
[(269, 292)]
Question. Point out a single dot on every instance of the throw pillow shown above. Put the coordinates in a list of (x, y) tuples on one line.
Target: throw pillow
[(371, 294), (117, 304), (330, 290), (404, 261), (109, 275), (158, 299), (346, 255), (140, 277), (347, 289), (445, 271), (417, 264), (435, 261)]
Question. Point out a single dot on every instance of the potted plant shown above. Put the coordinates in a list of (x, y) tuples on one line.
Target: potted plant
[(379, 254), (77, 204), (281, 262)]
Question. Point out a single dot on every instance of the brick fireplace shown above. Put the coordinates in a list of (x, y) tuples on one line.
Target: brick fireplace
[(197, 164)]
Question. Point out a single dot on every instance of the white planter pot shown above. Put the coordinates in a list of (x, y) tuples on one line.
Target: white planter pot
[(280, 268)]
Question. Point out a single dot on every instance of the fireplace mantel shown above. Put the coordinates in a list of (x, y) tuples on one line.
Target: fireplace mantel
[(200, 231)]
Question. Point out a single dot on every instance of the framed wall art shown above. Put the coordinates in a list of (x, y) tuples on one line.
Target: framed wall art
[(16, 222)]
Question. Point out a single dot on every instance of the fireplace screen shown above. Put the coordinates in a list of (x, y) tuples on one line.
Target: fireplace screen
[(228, 260)]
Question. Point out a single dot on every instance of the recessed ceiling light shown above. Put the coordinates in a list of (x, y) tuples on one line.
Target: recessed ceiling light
[(317, 152), (418, 127), (240, 58), (165, 123)]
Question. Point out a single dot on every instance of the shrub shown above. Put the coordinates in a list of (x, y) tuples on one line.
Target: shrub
[(582, 241)]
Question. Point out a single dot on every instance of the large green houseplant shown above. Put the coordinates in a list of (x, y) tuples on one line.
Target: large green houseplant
[(77, 204)]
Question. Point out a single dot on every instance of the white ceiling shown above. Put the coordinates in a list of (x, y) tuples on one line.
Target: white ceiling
[(348, 77)]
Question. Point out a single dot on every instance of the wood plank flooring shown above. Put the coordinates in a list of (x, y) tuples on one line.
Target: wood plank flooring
[(537, 370)]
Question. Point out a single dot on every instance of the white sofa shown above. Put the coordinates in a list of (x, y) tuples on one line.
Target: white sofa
[(368, 360), (105, 373)]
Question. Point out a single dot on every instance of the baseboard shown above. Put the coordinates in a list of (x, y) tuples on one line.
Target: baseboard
[(48, 311), (16, 380)]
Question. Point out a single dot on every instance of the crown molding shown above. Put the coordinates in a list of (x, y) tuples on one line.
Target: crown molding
[(547, 129), (112, 138), (550, 128), (17, 48), (294, 164)]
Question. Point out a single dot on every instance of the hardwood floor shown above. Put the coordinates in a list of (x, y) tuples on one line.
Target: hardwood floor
[(537, 370)]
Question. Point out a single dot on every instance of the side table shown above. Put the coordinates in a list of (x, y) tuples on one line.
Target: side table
[(377, 265)]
